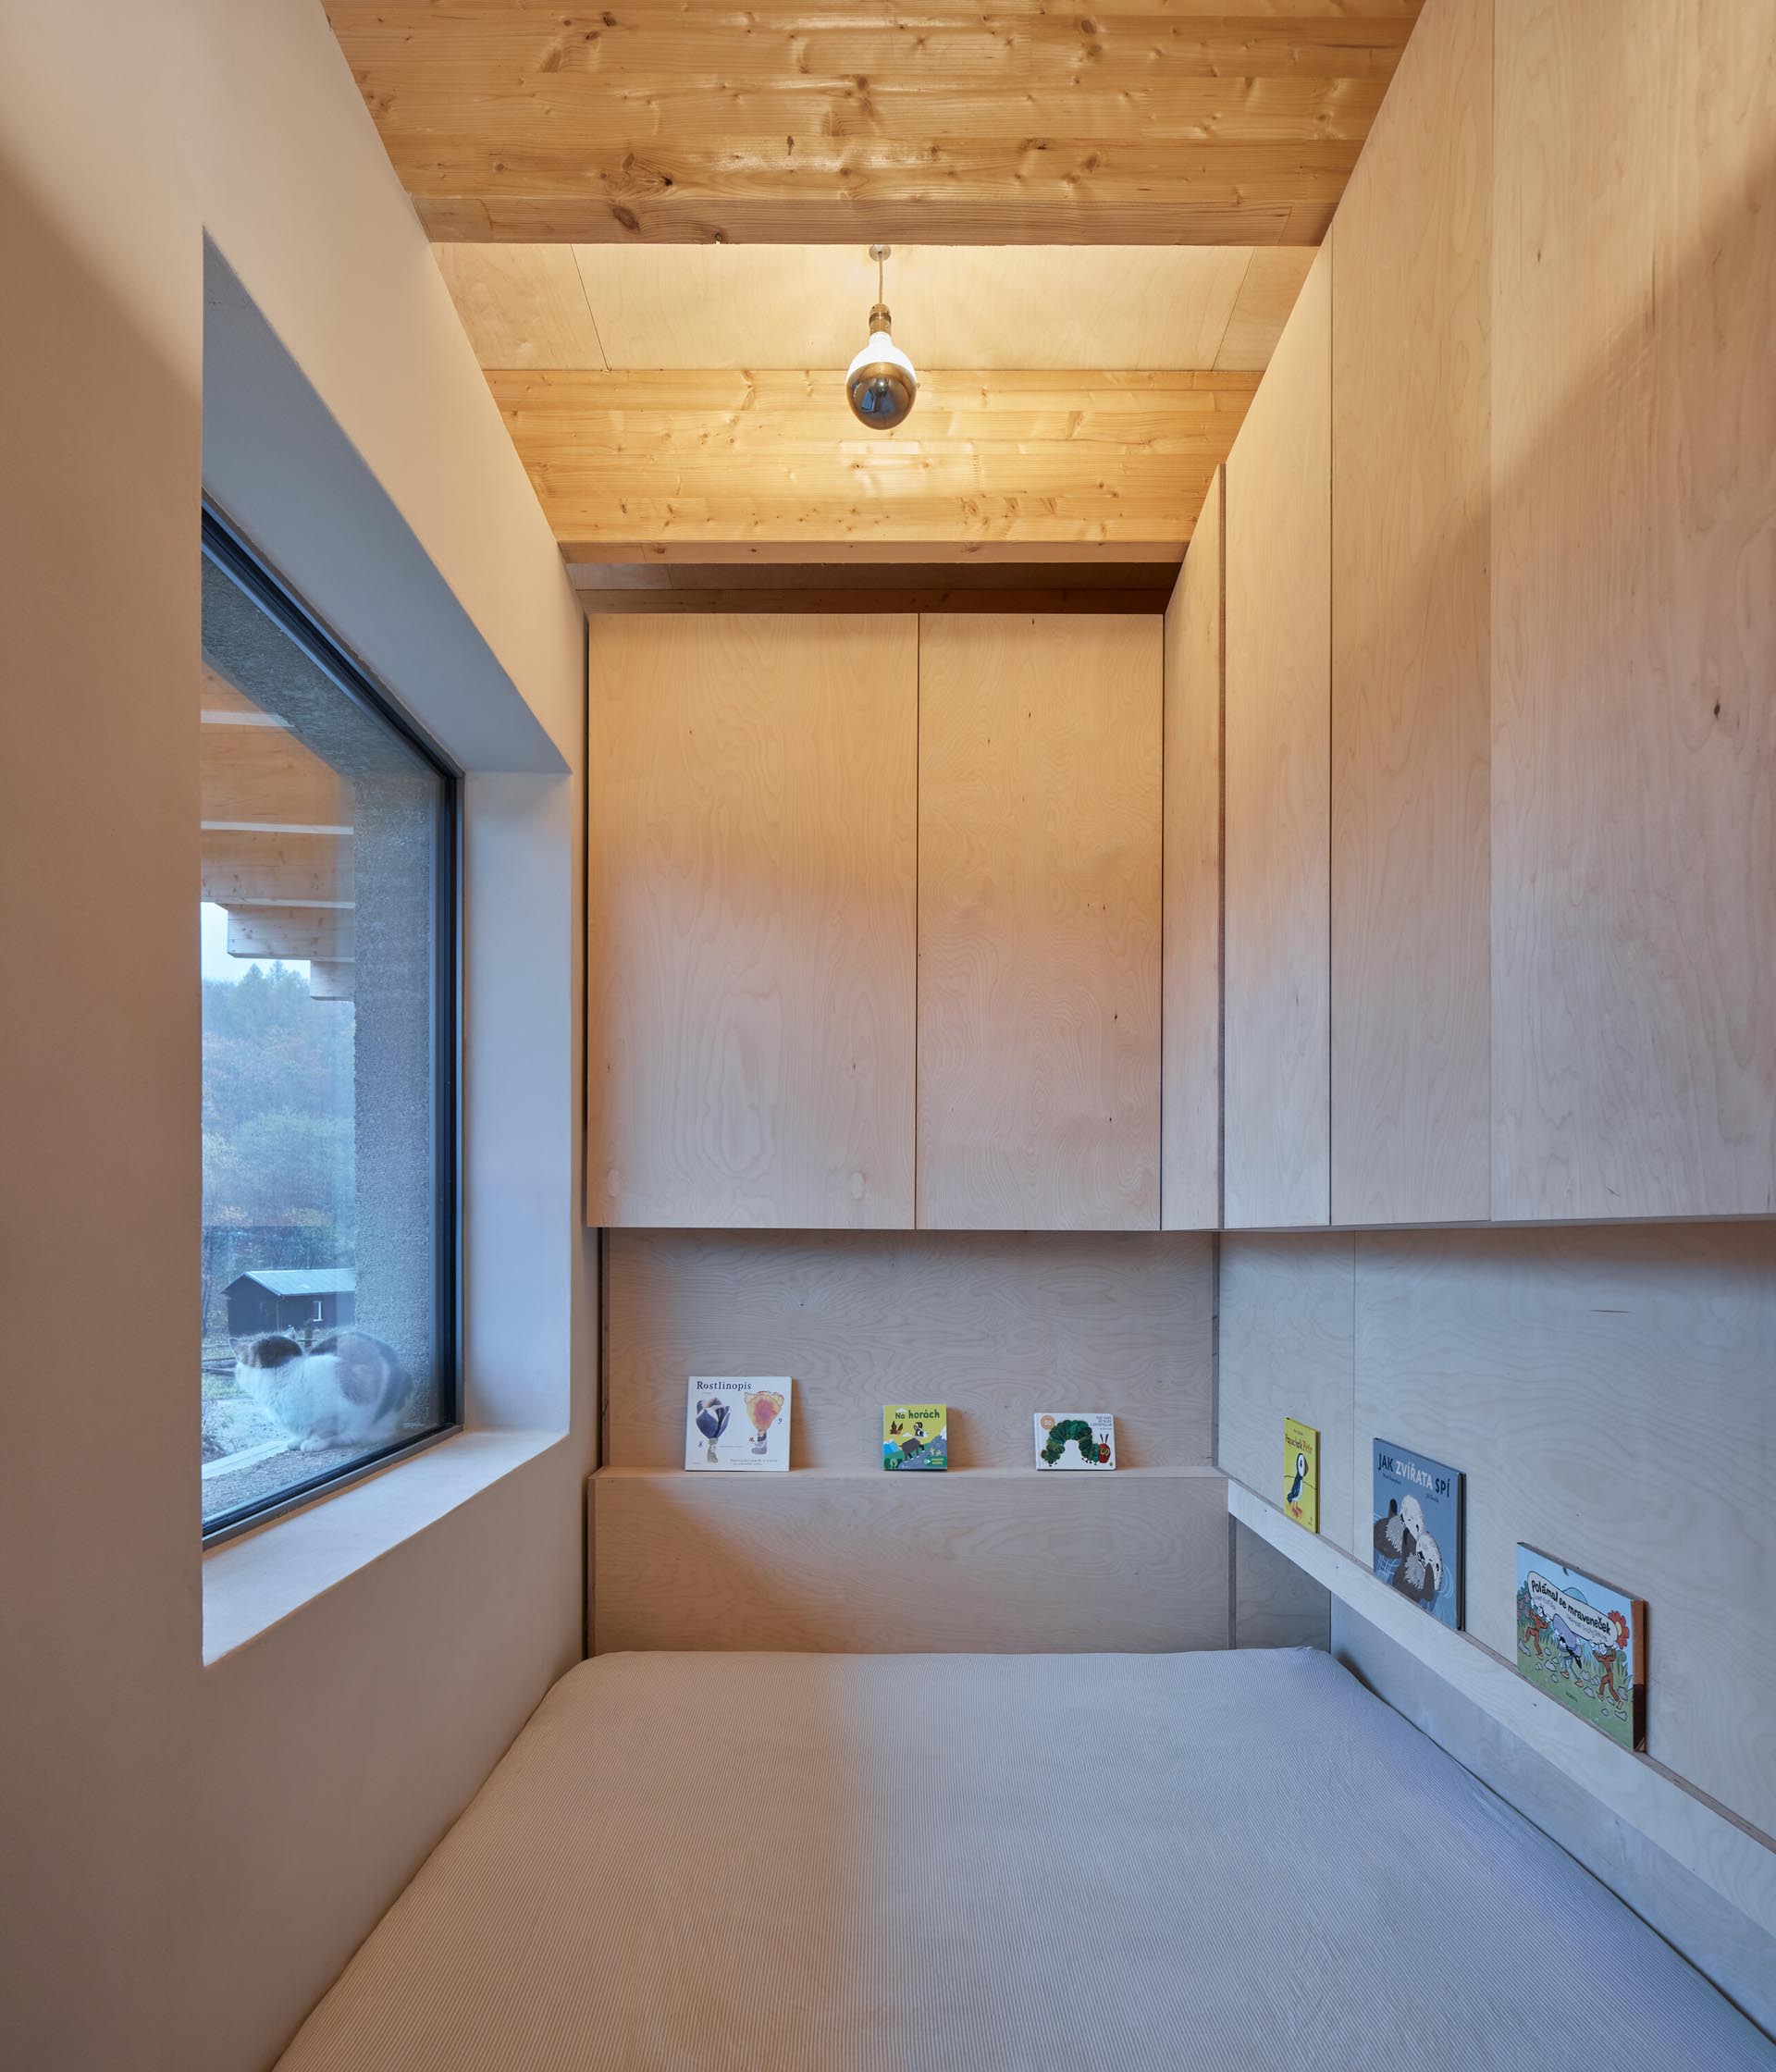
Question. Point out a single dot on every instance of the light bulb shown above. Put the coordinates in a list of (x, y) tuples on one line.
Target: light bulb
[(880, 383)]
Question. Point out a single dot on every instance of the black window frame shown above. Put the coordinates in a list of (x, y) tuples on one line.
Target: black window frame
[(226, 549)]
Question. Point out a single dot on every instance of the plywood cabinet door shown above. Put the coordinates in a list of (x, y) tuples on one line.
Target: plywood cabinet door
[(1411, 322), (1279, 781), (1634, 443), (1190, 1035), (1039, 922), (751, 906)]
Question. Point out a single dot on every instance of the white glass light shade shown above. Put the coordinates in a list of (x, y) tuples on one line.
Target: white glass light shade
[(880, 383)]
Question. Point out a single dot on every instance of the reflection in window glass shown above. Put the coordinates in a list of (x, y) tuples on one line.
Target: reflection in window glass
[(326, 930)]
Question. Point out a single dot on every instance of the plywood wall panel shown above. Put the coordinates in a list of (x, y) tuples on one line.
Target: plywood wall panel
[(976, 1563), (1410, 324), (1287, 1350), (1039, 922), (1190, 956), (1634, 802), (997, 1327), (1279, 600), (1611, 1395), (750, 904)]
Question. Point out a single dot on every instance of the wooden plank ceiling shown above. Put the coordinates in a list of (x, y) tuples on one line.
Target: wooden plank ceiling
[(653, 219)]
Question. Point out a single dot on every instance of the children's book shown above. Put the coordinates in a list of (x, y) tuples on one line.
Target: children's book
[(1075, 1439), (737, 1420), (1584, 1643), (915, 1436), (1302, 1473), (1418, 1530)]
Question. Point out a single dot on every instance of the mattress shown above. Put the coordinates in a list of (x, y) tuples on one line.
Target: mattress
[(957, 1863)]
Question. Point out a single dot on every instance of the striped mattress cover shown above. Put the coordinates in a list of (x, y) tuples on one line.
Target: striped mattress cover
[(953, 1863)]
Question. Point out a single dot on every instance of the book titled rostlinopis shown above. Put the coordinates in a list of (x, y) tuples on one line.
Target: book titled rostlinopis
[(1417, 1533), (1075, 1439), (915, 1436), (1585, 1643), (737, 1420), (1302, 1473)]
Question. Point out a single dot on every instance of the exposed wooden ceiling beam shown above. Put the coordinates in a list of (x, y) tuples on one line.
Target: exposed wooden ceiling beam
[(293, 933), (266, 867), (700, 121), (1113, 462), (254, 776), (1096, 586)]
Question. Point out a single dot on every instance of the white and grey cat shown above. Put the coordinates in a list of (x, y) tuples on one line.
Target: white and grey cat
[(348, 1390)]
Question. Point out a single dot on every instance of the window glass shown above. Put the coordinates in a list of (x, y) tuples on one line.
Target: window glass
[(326, 924)]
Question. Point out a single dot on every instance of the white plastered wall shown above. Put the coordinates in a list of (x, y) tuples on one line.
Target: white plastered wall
[(192, 1849)]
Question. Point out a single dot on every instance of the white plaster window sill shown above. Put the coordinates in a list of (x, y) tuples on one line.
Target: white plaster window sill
[(253, 1583)]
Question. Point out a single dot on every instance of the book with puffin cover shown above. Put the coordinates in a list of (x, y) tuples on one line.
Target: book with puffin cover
[(1418, 1527), (1076, 1438), (737, 1420), (1584, 1643), (1302, 1473), (915, 1436)]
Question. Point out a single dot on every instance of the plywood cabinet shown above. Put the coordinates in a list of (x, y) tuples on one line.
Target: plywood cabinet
[(750, 906), (1190, 950), (1039, 924), (1278, 522), (1411, 316), (1633, 767)]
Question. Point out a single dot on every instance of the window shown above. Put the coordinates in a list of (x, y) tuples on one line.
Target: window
[(327, 923)]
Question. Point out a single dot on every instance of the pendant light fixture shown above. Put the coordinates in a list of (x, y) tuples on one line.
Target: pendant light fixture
[(880, 383)]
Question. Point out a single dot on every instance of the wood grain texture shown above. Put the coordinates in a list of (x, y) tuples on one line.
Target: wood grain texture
[(997, 1327), (697, 457), (1633, 794), (274, 867), (983, 306), (293, 933), (1039, 924), (1287, 1349), (1274, 1603), (1411, 322), (750, 906), (523, 306), (1274, 279), (258, 777), (1276, 1090), (1147, 125), (971, 1562), (1191, 954), (1608, 1392)]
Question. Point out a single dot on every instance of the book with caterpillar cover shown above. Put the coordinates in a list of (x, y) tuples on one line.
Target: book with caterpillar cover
[(1584, 1643), (1418, 1529), (915, 1436), (737, 1420), (1302, 1473), (1076, 1438)]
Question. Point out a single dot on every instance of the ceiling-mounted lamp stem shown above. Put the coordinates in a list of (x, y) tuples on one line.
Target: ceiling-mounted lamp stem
[(880, 383)]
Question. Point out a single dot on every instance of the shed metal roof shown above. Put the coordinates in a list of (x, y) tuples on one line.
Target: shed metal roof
[(301, 1281)]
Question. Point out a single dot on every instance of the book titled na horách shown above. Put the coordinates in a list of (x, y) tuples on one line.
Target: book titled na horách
[(915, 1436), (1417, 1535), (737, 1420), (1302, 1473), (1585, 1643), (1075, 1439)]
